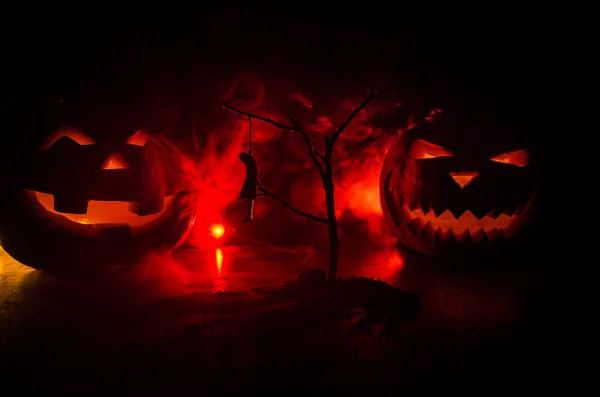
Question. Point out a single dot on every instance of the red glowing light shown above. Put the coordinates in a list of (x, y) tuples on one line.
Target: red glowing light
[(219, 260), (217, 230), (217, 174)]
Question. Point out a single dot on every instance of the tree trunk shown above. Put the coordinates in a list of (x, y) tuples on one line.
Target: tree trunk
[(333, 234), (329, 187)]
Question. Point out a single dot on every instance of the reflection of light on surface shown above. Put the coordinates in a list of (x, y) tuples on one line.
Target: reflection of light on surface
[(219, 260), (12, 273), (7, 262), (373, 261), (217, 230)]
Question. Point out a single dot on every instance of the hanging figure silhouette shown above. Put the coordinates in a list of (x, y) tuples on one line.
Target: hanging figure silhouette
[(251, 182)]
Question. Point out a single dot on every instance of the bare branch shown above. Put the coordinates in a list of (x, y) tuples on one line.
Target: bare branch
[(341, 128), (319, 155), (294, 128), (265, 119), (309, 147), (266, 193)]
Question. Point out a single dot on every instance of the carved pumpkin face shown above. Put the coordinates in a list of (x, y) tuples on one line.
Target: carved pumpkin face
[(119, 187), (98, 202), (451, 186)]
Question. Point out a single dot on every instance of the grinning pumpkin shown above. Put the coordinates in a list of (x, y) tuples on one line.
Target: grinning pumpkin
[(453, 185), (83, 203)]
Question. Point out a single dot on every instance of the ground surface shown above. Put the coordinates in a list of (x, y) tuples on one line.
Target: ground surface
[(130, 332)]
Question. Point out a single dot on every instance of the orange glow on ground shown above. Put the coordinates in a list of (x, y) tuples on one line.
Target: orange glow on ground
[(217, 230), (12, 273)]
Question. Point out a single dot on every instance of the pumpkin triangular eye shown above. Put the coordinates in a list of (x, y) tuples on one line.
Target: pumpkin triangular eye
[(138, 139), (421, 150), (72, 133), (520, 158)]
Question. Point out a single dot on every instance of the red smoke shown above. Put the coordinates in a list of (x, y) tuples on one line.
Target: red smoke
[(284, 165)]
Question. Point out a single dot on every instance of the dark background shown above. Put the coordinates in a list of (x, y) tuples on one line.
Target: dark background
[(123, 59), (116, 55), (153, 66)]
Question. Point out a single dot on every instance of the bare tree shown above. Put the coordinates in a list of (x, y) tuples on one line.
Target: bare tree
[(323, 163)]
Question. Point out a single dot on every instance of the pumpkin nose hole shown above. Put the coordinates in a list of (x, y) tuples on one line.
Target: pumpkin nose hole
[(115, 162), (463, 179)]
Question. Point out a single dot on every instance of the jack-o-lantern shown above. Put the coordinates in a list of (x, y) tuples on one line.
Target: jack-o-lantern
[(456, 186), (83, 203)]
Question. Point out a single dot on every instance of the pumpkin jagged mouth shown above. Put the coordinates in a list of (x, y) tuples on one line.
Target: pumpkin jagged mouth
[(411, 219), (467, 226), (105, 218), (114, 213)]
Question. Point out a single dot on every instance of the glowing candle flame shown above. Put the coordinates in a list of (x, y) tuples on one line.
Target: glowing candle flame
[(219, 260), (217, 230)]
